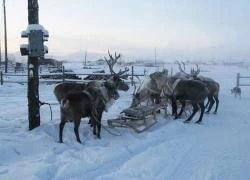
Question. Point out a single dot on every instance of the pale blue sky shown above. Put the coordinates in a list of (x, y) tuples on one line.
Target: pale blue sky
[(178, 28)]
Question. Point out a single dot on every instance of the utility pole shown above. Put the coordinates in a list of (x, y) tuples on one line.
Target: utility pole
[(155, 57), (5, 37), (33, 82), (85, 58), (35, 50), (0, 51)]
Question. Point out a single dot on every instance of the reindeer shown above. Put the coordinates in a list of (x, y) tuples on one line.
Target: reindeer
[(177, 90), (151, 89), (186, 90), (236, 91), (91, 102), (212, 85), (62, 89)]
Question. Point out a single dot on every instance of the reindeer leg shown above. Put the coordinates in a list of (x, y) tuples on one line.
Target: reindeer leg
[(76, 129), (90, 122), (217, 103), (183, 105), (99, 125), (63, 121), (158, 101), (174, 107), (212, 101), (94, 127), (202, 112), (195, 109), (61, 131), (208, 101)]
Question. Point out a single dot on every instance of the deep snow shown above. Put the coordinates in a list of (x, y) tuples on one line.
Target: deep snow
[(217, 149)]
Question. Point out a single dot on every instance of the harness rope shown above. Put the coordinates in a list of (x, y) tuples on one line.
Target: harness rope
[(49, 104), (95, 113)]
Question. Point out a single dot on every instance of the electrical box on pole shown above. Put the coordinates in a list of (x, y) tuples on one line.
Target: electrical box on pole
[(36, 35)]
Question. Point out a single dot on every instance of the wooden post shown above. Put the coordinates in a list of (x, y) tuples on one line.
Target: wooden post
[(132, 78), (238, 80), (63, 74), (33, 79), (1, 74)]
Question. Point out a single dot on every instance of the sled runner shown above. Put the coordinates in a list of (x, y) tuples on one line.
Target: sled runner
[(139, 119)]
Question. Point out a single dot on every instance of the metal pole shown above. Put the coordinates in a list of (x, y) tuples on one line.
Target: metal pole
[(5, 38), (1, 74), (238, 80), (33, 79)]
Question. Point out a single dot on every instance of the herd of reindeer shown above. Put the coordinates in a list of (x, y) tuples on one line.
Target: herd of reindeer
[(79, 100)]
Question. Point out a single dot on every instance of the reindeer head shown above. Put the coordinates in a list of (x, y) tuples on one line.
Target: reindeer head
[(194, 73), (116, 77), (182, 74), (111, 90), (159, 78)]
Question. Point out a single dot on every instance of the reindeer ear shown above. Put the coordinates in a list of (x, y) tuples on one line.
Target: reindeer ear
[(165, 71), (152, 75)]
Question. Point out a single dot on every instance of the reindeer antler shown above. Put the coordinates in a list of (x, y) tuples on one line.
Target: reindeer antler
[(122, 72), (180, 68), (195, 72), (112, 61)]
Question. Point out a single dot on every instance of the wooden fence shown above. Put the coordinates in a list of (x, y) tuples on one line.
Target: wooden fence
[(238, 77), (63, 75)]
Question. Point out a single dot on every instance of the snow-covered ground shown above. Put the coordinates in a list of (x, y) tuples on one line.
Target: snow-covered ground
[(218, 149)]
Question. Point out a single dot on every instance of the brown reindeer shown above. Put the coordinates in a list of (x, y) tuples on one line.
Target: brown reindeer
[(62, 89), (88, 103), (183, 90), (212, 85)]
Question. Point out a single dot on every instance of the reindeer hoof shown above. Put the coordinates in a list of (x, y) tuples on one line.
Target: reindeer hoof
[(215, 112), (60, 141), (198, 122), (187, 121), (207, 112)]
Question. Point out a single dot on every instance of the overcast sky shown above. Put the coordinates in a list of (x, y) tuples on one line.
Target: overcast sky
[(177, 28)]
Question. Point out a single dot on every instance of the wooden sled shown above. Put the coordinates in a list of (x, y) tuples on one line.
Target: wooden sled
[(139, 119)]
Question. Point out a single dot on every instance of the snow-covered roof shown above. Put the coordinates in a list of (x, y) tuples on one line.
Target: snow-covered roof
[(34, 27)]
